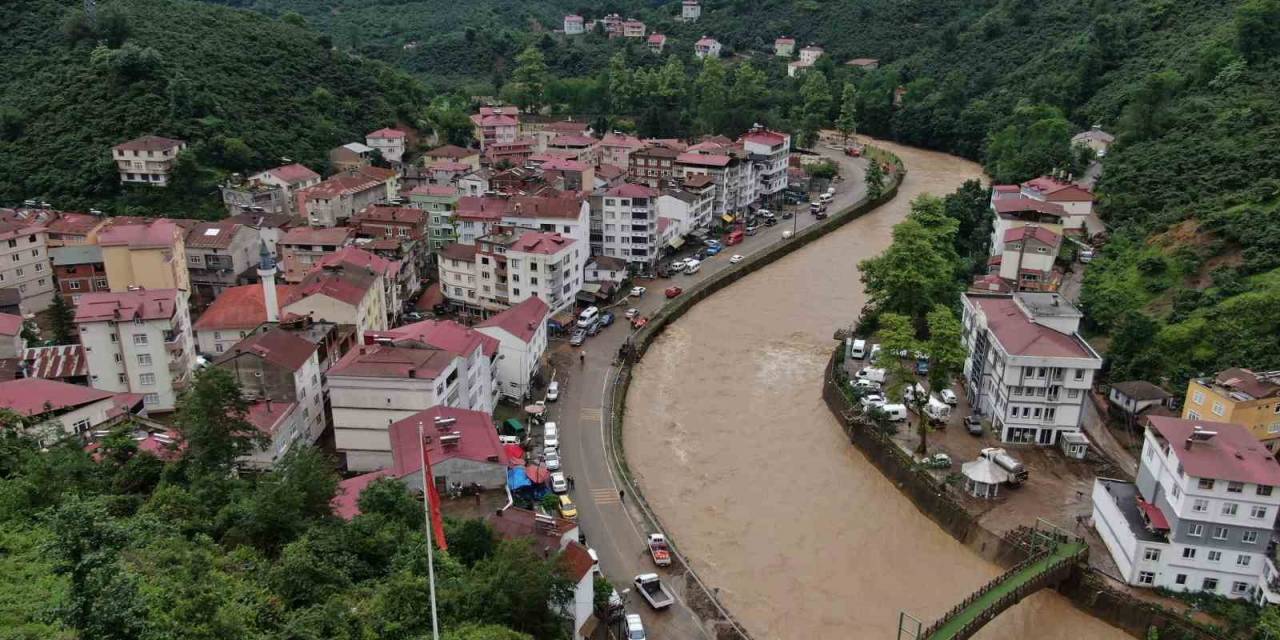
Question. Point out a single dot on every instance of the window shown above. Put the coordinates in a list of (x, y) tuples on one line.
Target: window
[(1193, 415), (1195, 530), (19, 270), (1229, 508), (1257, 513), (147, 379), (1198, 397), (1079, 374), (100, 283), (1146, 577), (1181, 578), (116, 356), (1219, 533), (121, 379), (1177, 492), (1215, 556), (1206, 484), (218, 347), (1235, 487), (1073, 393), (1218, 409), (140, 338), (144, 359), (1189, 553), (1239, 588), (1243, 560), (39, 267), (1249, 537), (1210, 584), (151, 398), (1151, 553), (73, 285), (196, 260), (1200, 505), (1264, 490)]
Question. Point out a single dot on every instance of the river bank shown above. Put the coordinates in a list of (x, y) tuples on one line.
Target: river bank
[(750, 473)]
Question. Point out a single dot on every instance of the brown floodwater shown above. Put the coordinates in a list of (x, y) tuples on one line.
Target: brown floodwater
[(734, 448)]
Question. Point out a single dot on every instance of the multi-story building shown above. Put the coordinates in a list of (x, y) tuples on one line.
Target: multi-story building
[(151, 254), (706, 47), (391, 222), (290, 178), (79, 269), (12, 345), (440, 203), (509, 266), (808, 57), (1027, 262), (1242, 396), (24, 262), (138, 341), (1200, 516), (355, 258), (652, 164), (573, 25), (616, 149), (1012, 211), (373, 386), (452, 153), (521, 332), (334, 201), (633, 29), (350, 157), (279, 374), (690, 10), (220, 255), (477, 353), (1067, 199), (770, 154), (733, 187), (390, 143), (301, 248), (147, 160), (691, 205), (630, 225), (566, 215), (657, 42), (496, 125), (784, 47), (1028, 370), (238, 311), (342, 295), (270, 227)]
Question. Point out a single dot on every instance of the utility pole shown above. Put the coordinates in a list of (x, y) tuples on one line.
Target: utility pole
[(426, 509)]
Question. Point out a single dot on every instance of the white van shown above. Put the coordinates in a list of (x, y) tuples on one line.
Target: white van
[(871, 373), (909, 393), (587, 317), (692, 267), (937, 410), (825, 198), (894, 412), (858, 349)]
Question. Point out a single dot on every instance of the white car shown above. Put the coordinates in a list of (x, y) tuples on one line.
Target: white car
[(635, 627), (872, 401), (508, 439), (552, 457), (558, 483), (636, 292), (735, 259), (869, 385), (948, 396), (551, 441), (553, 391), (632, 312)]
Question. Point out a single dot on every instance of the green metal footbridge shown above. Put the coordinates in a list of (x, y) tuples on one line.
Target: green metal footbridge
[(1051, 557)]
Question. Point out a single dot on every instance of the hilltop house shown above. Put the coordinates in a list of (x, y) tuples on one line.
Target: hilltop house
[(706, 47), (147, 160)]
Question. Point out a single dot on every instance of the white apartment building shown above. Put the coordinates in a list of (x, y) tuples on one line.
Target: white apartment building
[(770, 153), (521, 332), (1028, 369), (138, 341), (509, 266), (24, 263), (691, 207), (573, 25), (733, 190), (147, 160), (372, 387), (388, 142), (629, 217), (1201, 514), (690, 10), (477, 353)]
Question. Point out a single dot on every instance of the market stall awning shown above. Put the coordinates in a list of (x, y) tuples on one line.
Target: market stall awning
[(515, 455), (676, 243), (514, 425), (728, 219)]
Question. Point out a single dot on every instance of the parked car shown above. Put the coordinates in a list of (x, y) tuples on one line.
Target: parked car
[(508, 439), (635, 627), (606, 318), (553, 391), (875, 351), (558, 483), (973, 424), (769, 222), (594, 328), (552, 458), (568, 510), (752, 230), (786, 215), (674, 291), (700, 254), (631, 313), (735, 259), (869, 385), (551, 443), (579, 336), (711, 251), (922, 365), (948, 396), (872, 400), (712, 243), (414, 316), (636, 292)]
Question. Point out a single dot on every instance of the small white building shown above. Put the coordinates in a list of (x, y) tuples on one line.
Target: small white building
[(573, 25), (1201, 514), (1095, 138), (606, 269), (784, 47), (521, 332), (388, 142), (138, 341), (706, 47), (690, 10), (147, 160), (1028, 370)]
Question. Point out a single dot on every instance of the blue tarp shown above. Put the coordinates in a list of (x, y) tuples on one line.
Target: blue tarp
[(517, 479)]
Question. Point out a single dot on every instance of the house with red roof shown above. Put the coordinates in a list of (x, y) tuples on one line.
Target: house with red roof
[(220, 255), (657, 42), (1028, 370), (512, 153), (452, 153), (478, 353), (373, 386), (521, 334), (462, 447), (652, 163), (343, 294), (290, 176), (51, 409), (769, 153), (279, 374), (580, 147), (301, 248), (1201, 514), (580, 569), (784, 46), (335, 200), (63, 363), (509, 265), (233, 316), (706, 47), (496, 125), (11, 343), (629, 216), (147, 160), (734, 183), (1026, 262), (1059, 194), (139, 342), (389, 142), (393, 288)]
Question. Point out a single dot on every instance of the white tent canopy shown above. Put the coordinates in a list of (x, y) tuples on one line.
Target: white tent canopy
[(983, 477)]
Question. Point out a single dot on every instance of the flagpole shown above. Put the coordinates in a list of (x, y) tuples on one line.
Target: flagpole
[(426, 510)]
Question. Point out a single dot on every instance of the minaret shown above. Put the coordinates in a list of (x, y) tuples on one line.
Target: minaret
[(267, 271)]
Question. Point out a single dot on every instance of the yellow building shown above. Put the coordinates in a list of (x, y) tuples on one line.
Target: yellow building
[(148, 254), (1240, 396)]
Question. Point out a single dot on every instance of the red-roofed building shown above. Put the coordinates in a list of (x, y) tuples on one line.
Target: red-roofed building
[(521, 333), (220, 255), (1027, 259), (633, 29), (652, 164), (511, 265), (394, 289), (1028, 369), (496, 126), (70, 408), (549, 532), (342, 294), (573, 25), (11, 342), (338, 198), (478, 355), (147, 160), (461, 445), (784, 46), (301, 248), (389, 142), (629, 216), (656, 42), (769, 153), (1200, 515), (616, 148), (452, 153), (139, 342), (145, 253), (1072, 201), (706, 47), (64, 363), (372, 386), (583, 148), (735, 185), (508, 154), (233, 316)]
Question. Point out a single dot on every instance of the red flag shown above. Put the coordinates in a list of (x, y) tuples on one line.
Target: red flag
[(433, 502)]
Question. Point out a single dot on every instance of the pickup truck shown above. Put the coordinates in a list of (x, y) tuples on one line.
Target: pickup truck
[(659, 550), (654, 592)]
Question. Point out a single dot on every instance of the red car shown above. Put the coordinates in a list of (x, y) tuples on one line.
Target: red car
[(674, 291)]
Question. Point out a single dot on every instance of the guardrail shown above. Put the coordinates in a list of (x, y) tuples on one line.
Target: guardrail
[(708, 604)]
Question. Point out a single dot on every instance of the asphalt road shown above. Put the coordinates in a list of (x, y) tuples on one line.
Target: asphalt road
[(612, 524)]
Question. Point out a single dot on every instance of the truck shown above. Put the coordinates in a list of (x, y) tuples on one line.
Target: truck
[(735, 237), (654, 592), (659, 550), (1017, 473)]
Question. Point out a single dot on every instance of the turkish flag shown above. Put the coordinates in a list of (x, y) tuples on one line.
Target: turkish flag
[(433, 502)]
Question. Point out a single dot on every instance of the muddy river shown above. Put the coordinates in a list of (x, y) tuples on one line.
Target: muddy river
[(735, 450)]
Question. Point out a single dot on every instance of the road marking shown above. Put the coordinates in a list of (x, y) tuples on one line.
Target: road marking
[(590, 413), (605, 496)]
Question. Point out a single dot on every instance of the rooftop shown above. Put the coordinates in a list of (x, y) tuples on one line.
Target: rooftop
[(1141, 390), (10, 324), (1020, 336), (149, 143), (349, 285), (267, 415), (631, 190), (384, 213), (521, 320), (379, 361), (292, 174), (477, 441), (142, 304), (540, 242), (1037, 233), (277, 346), (359, 258), (1015, 205), (704, 160), (1251, 384), (240, 308), (53, 363), (440, 334), (159, 233), (34, 396), (387, 134), (335, 186), (1233, 454), (346, 500), (317, 235), (458, 251), (1126, 498), (576, 561), (212, 235), (450, 151), (517, 523), (438, 190), (75, 254)]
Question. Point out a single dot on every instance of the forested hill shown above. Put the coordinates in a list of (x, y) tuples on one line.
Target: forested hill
[(244, 89)]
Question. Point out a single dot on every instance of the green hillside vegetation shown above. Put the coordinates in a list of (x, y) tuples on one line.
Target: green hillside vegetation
[(129, 547), (244, 90)]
